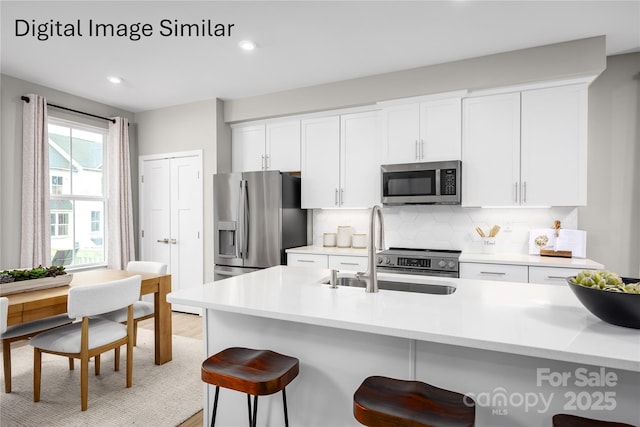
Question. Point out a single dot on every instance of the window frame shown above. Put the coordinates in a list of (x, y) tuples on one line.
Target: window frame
[(73, 198)]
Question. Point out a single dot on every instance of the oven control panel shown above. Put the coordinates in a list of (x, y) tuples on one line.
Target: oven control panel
[(417, 263)]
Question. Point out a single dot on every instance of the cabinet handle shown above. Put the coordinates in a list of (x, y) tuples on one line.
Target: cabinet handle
[(335, 198), (263, 168), (173, 241), (306, 260), (421, 149), (524, 192), (494, 273), (267, 162), (341, 196), (417, 156), (349, 263), (163, 241), (555, 278), (515, 192)]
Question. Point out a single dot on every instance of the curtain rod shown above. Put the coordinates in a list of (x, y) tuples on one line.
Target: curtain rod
[(26, 99)]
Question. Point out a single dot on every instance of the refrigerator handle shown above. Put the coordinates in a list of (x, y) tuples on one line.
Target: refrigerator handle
[(247, 215), (239, 234)]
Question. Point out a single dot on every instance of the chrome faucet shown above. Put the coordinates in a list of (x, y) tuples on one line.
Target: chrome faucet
[(371, 276)]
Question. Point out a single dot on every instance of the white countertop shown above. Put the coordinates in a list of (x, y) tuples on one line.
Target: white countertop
[(328, 250), (497, 258), (530, 260), (535, 320)]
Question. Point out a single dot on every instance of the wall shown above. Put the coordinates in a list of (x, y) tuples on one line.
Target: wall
[(11, 89), (184, 128), (579, 58), (612, 216)]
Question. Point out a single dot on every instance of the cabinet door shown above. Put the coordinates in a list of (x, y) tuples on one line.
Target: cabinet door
[(402, 133), (551, 275), (359, 165), (441, 130), (497, 272), (491, 150), (320, 162), (283, 146), (348, 263), (307, 260), (247, 148), (554, 146)]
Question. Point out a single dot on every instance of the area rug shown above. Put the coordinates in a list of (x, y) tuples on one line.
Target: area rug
[(164, 395)]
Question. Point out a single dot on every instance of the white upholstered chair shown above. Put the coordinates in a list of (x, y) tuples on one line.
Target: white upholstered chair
[(91, 336), (19, 332), (141, 309)]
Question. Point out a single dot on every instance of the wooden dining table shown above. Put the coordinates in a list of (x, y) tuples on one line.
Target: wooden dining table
[(38, 304)]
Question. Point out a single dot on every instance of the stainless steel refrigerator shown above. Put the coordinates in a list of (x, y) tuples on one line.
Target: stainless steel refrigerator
[(257, 216)]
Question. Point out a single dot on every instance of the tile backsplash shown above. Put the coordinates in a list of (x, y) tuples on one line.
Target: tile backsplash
[(447, 227)]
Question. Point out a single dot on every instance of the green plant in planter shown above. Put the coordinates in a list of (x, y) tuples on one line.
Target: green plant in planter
[(39, 272)]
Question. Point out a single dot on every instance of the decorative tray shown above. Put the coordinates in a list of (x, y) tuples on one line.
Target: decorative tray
[(34, 284)]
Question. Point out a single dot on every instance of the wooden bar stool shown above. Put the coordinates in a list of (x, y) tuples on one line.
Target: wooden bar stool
[(386, 402), (255, 372), (566, 420)]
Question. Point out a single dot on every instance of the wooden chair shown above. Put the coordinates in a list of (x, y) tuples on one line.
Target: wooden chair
[(141, 309), (20, 332), (382, 401), (93, 335), (566, 420), (254, 372)]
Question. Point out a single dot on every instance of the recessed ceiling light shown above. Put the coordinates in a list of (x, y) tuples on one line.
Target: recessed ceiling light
[(114, 79), (247, 45)]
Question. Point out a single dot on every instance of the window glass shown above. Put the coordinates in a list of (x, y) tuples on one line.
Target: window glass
[(76, 165)]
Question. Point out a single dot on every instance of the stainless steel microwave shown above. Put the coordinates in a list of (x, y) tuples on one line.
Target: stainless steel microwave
[(422, 183)]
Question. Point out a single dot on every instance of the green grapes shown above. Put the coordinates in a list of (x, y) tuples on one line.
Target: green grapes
[(604, 280)]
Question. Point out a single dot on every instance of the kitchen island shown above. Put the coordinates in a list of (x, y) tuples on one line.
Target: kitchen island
[(523, 351)]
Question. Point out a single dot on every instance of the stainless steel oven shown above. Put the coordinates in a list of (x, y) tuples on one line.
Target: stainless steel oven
[(422, 183), (424, 262)]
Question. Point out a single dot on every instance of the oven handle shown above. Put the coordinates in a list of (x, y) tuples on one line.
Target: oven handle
[(416, 272)]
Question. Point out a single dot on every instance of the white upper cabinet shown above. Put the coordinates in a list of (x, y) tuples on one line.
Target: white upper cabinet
[(554, 146), (340, 166), (359, 160), (320, 162), (271, 146), (423, 131), (491, 150), (247, 148), (525, 148)]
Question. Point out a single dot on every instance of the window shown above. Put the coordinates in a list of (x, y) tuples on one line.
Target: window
[(78, 194)]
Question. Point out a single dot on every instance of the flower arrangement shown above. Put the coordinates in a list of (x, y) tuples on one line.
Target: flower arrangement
[(40, 272)]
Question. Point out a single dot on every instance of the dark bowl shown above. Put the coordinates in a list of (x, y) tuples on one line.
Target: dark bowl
[(617, 308)]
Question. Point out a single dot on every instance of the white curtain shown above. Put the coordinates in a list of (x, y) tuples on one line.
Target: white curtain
[(120, 212), (35, 247)]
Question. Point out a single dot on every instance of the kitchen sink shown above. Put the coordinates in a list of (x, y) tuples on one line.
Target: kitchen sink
[(422, 288)]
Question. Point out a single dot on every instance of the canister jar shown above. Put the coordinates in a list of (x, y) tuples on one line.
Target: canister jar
[(329, 240), (359, 241), (344, 236)]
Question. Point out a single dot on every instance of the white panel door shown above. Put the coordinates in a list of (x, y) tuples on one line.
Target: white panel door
[(441, 130), (554, 146), (171, 218), (360, 165), (283, 146), (187, 261), (320, 162), (491, 150), (155, 209), (402, 133), (247, 148)]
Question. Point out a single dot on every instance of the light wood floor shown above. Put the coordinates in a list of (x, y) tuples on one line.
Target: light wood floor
[(185, 325)]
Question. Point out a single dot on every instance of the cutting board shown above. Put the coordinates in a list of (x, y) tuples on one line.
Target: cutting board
[(574, 241)]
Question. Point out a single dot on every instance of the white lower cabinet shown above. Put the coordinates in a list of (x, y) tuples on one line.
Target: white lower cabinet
[(308, 260), (349, 263), (551, 275), (499, 272)]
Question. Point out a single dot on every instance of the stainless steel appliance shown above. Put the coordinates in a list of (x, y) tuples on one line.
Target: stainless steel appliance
[(257, 216), (422, 183), (425, 262)]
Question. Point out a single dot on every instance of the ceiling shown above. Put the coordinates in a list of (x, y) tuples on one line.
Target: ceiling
[(299, 43)]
